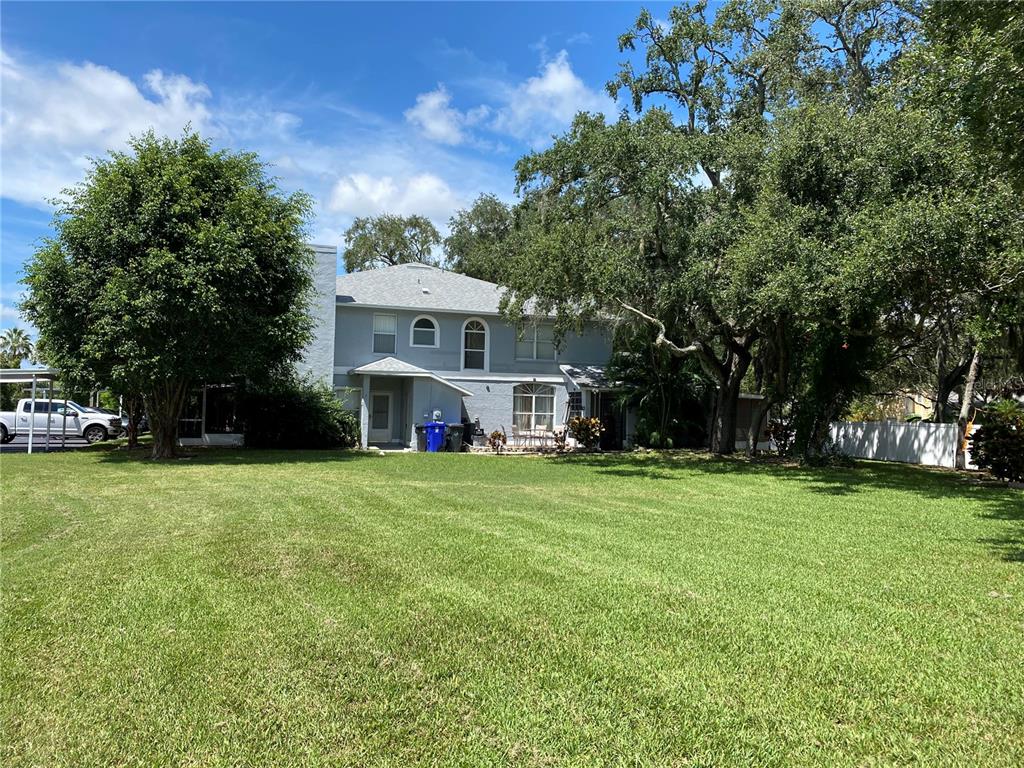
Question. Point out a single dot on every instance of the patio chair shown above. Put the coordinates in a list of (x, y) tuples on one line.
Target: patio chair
[(517, 436)]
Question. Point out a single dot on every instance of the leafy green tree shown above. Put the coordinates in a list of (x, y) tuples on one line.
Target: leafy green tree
[(478, 236), (172, 265), (680, 215), (781, 206), (388, 240), (971, 68), (666, 392), (975, 58)]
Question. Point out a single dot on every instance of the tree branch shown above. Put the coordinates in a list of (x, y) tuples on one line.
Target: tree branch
[(699, 348)]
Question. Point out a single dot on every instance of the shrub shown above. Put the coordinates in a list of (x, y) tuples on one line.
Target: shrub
[(297, 414), (655, 440), (998, 445), (586, 429), (497, 440), (828, 456), (782, 434)]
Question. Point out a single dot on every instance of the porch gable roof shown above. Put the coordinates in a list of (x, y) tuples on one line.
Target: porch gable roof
[(392, 366)]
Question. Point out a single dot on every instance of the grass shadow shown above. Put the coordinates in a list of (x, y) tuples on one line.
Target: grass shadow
[(226, 456)]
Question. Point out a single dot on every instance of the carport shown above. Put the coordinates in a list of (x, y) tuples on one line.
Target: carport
[(33, 376)]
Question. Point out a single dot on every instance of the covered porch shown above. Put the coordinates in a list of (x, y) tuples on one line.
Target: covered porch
[(395, 397), (593, 394)]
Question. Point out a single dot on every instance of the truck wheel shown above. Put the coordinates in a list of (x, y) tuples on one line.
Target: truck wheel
[(4, 437), (94, 434)]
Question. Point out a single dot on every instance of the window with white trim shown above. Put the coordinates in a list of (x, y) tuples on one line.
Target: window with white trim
[(474, 345), (535, 342), (384, 332), (533, 406), (575, 407), (424, 332)]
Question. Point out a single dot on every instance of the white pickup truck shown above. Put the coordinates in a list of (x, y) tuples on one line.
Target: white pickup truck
[(70, 418)]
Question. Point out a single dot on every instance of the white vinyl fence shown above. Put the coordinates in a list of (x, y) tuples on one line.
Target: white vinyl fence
[(912, 442)]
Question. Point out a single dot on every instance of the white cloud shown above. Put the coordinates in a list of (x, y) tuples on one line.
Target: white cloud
[(352, 162), (9, 314), (437, 120), (361, 194), (547, 102), (54, 117), (10, 297), (435, 117), (531, 110)]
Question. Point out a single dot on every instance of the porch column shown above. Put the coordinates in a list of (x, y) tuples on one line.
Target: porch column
[(364, 413), (31, 415)]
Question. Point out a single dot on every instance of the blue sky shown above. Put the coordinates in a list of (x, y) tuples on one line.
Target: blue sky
[(408, 108)]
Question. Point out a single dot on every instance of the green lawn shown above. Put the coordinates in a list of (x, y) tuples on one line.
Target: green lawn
[(246, 608)]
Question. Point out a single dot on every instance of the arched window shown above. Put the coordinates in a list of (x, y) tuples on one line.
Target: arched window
[(424, 332), (533, 406), (474, 345)]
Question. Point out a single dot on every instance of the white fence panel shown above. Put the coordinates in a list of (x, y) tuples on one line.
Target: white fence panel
[(911, 442)]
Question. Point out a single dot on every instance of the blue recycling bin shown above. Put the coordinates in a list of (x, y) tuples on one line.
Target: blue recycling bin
[(435, 435)]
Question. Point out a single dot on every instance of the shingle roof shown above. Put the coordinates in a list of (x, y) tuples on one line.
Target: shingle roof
[(392, 366), (418, 286), (589, 376)]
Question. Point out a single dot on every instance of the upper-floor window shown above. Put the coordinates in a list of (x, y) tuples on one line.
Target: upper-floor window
[(536, 342), (474, 345), (424, 332), (384, 329)]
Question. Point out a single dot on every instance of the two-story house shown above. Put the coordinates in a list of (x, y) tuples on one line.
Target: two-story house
[(403, 342), (413, 339)]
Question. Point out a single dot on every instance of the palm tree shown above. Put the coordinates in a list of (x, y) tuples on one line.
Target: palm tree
[(15, 346)]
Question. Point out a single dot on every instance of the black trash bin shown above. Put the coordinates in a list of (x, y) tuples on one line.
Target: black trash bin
[(454, 438), (421, 438), (468, 431)]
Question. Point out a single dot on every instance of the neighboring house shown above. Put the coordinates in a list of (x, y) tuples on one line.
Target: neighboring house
[(413, 340)]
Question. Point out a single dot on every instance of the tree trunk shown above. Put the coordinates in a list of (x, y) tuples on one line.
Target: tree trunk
[(941, 398), (723, 427), (729, 375), (947, 381), (164, 406), (966, 406), (133, 407)]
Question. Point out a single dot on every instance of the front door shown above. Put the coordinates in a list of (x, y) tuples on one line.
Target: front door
[(380, 417), (604, 406)]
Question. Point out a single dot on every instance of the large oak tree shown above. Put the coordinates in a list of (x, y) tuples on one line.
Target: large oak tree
[(388, 240)]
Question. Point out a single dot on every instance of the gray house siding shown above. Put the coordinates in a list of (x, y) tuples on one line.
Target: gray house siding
[(353, 343), (318, 357), (492, 402), (429, 395)]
